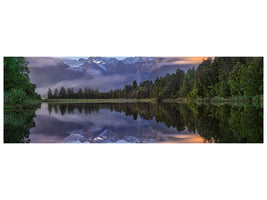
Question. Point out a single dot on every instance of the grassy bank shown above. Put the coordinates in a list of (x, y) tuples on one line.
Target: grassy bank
[(256, 100), (100, 100)]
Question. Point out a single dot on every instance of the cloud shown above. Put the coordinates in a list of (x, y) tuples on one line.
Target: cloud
[(180, 60), (43, 61), (103, 83)]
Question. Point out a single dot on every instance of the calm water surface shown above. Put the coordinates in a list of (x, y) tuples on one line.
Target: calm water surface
[(134, 123)]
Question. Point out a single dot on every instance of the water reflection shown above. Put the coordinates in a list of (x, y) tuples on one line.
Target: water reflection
[(17, 125), (142, 123)]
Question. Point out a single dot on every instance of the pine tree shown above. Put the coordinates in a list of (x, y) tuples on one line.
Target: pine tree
[(62, 93), (49, 94), (56, 93)]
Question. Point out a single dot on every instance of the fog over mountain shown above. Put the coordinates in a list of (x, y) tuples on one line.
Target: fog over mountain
[(104, 73)]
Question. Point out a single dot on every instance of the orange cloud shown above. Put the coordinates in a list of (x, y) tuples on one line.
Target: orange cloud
[(190, 60)]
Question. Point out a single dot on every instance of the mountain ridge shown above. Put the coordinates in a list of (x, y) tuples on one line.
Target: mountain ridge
[(75, 73)]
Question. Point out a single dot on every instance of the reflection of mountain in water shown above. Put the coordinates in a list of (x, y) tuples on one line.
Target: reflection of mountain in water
[(135, 123), (97, 123), (160, 121), (109, 136)]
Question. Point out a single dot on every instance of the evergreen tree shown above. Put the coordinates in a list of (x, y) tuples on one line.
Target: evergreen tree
[(80, 93), (16, 76), (55, 93), (62, 93), (134, 84), (49, 94), (70, 93)]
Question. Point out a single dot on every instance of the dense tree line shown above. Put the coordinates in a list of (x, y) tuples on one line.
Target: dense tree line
[(221, 77), (218, 77), (17, 85), (144, 90)]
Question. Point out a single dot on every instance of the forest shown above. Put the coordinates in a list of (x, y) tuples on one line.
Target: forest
[(219, 77)]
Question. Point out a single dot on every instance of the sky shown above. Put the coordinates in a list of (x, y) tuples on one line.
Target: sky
[(50, 61), (77, 58), (182, 60), (179, 59)]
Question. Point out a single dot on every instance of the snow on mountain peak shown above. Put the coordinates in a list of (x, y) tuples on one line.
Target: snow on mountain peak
[(132, 60), (106, 61)]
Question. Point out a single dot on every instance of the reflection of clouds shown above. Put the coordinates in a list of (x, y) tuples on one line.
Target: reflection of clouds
[(101, 119), (183, 138), (40, 138)]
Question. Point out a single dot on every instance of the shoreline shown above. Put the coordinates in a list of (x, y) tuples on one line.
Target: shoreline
[(100, 100), (238, 101), (257, 100), (29, 105)]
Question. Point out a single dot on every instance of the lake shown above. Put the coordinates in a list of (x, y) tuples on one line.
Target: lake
[(134, 123)]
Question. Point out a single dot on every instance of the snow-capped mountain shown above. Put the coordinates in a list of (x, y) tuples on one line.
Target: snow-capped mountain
[(132, 60), (74, 63), (104, 73), (100, 65), (97, 60), (107, 60)]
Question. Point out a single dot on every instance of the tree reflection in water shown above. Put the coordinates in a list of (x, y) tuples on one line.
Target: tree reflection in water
[(17, 125), (220, 124)]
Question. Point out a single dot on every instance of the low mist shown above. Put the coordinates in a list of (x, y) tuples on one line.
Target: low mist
[(103, 83)]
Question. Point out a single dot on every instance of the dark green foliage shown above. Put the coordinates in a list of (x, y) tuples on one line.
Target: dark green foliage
[(17, 125), (16, 81), (226, 77), (252, 77), (15, 96), (206, 78), (169, 86), (188, 84)]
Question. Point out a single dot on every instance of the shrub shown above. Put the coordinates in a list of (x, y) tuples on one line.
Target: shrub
[(15, 96)]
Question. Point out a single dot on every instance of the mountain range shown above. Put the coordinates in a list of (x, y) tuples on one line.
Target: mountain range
[(104, 73)]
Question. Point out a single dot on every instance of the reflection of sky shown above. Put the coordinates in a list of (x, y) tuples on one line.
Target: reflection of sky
[(56, 127), (104, 118)]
